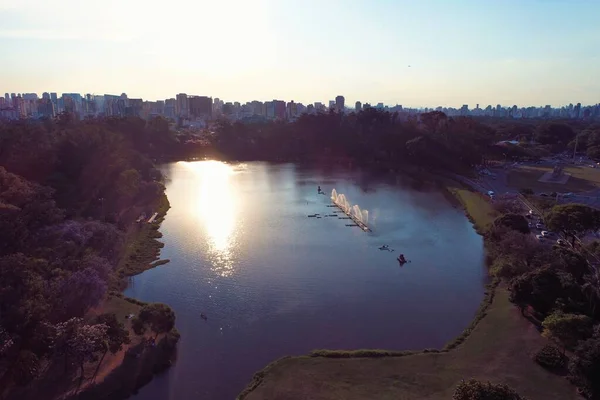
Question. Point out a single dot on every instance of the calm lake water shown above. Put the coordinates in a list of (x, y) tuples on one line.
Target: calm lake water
[(274, 282)]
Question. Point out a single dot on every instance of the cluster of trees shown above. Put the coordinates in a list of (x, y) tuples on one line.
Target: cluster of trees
[(377, 138), (69, 190), (587, 141), (372, 137), (558, 136), (556, 287), (96, 168)]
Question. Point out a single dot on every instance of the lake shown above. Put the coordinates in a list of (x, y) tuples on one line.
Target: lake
[(274, 282)]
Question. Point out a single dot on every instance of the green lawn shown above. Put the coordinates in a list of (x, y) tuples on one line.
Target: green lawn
[(118, 306), (582, 179), (499, 349), (477, 206)]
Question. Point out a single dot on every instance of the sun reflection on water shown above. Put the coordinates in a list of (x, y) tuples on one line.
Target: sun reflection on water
[(216, 210)]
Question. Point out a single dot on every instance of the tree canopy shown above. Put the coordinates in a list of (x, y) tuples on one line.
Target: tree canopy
[(159, 317), (516, 222), (371, 138), (584, 367), (553, 133), (567, 329), (69, 190), (573, 219)]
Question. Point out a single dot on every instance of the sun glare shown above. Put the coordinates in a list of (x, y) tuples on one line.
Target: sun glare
[(216, 211)]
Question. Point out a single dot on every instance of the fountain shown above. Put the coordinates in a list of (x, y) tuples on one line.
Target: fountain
[(360, 217)]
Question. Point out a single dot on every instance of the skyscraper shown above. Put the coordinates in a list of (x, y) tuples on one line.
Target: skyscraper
[(182, 105), (577, 111), (339, 103), (200, 106), (171, 108), (279, 109), (357, 106), (291, 110)]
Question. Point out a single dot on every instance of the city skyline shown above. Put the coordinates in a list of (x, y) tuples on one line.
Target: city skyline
[(466, 52), (198, 111), (332, 99)]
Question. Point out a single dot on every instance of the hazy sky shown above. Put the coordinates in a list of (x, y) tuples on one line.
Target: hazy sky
[(524, 52)]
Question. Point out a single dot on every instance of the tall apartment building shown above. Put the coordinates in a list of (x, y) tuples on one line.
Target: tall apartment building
[(134, 107), (182, 105), (339, 103), (170, 108), (279, 109), (200, 106)]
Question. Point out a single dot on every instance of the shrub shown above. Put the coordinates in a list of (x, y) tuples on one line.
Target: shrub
[(549, 357), (503, 267), (138, 326), (567, 329), (584, 367), (476, 390), (515, 222)]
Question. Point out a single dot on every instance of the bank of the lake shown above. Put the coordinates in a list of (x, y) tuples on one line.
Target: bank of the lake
[(496, 346), (123, 374), (272, 281)]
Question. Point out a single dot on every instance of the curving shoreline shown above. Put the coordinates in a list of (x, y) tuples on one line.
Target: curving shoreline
[(126, 378), (259, 376), (378, 353), (495, 346)]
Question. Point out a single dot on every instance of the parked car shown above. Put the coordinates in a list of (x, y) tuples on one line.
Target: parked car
[(547, 233), (539, 237), (491, 193), (560, 242), (539, 226)]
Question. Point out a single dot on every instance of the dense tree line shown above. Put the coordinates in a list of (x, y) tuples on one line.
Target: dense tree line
[(556, 287), (376, 138), (69, 191), (371, 138)]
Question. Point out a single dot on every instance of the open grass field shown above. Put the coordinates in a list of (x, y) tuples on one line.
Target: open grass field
[(477, 206), (582, 179), (499, 350), (118, 306)]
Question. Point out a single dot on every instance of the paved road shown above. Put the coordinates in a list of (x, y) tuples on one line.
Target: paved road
[(499, 184)]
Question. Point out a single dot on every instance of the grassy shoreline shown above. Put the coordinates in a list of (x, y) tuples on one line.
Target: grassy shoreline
[(496, 346), (142, 251), (142, 248)]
